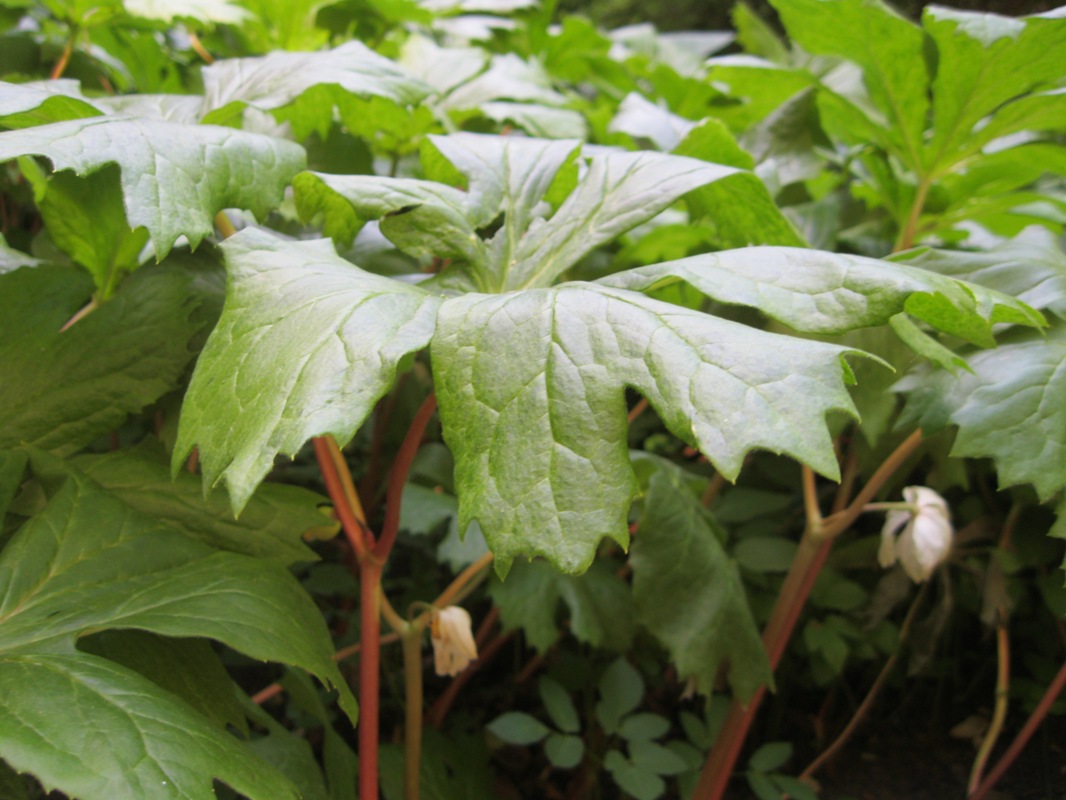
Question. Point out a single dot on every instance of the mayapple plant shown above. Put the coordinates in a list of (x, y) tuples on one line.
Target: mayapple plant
[(525, 338)]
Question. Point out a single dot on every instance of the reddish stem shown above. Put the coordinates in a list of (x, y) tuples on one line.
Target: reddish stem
[(1023, 737), (369, 675), (359, 537), (398, 477)]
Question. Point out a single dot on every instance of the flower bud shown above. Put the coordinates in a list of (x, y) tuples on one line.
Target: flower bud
[(926, 537), (453, 640)]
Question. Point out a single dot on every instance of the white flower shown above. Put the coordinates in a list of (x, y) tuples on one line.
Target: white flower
[(453, 640), (926, 537)]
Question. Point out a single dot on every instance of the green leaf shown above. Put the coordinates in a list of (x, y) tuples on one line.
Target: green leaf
[(531, 390), (12, 466), (770, 756), (188, 668), (564, 752), (642, 784), (511, 176), (643, 727), (559, 706), (174, 178), (1031, 267), (621, 690), (1008, 408), (889, 49), (656, 758), (86, 563), (765, 553), (59, 708), (271, 525), (983, 61), (642, 119), (689, 595), (817, 292), (306, 345), (599, 603), (514, 727), (508, 77), (314, 82), (25, 105), (62, 390), (87, 221)]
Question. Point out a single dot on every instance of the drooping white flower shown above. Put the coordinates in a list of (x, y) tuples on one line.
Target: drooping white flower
[(926, 537), (452, 636)]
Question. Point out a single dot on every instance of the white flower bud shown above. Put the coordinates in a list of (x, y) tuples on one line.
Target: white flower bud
[(926, 537), (452, 636)]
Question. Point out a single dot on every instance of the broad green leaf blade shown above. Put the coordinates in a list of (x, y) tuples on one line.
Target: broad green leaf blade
[(1010, 408), (87, 221), (88, 562), (98, 731), (270, 527), (642, 119), (175, 178), (25, 105), (531, 390), (619, 191), (62, 390), (422, 218), (983, 61), (189, 668), (306, 345), (1031, 267), (1039, 111), (889, 49), (599, 603), (540, 121), (689, 594), (817, 292), (507, 78), (12, 467), (280, 79)]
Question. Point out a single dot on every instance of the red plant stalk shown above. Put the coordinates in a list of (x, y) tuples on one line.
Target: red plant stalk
[(810, 558), (1023, 737), (371, 567), (372, 556)]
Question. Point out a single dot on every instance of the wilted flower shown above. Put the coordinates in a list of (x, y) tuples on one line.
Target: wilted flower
[(926, 538), (453, 640)]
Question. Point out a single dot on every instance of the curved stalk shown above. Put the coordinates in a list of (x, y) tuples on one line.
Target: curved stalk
[(806, 565)]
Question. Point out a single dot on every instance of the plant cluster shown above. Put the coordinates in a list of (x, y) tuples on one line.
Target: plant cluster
[(591, 348)]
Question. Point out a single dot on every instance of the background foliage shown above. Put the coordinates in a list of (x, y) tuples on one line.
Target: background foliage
[(657, 285)]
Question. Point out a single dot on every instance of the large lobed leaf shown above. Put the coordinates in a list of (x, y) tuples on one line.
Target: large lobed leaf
[(531, 384), (306, 346), (532, 400), (87, 562), (174, 177)]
